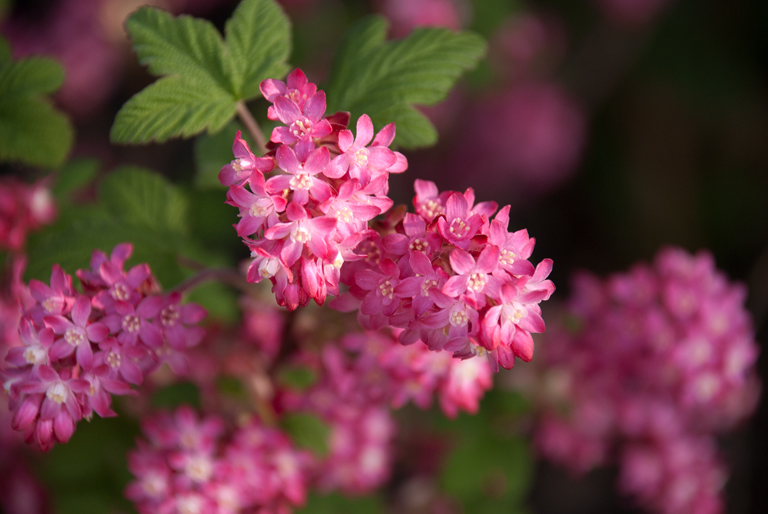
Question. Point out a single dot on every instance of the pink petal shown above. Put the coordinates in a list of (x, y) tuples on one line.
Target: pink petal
[(364, 131), (287, 160), (315, 106), (461, 261)]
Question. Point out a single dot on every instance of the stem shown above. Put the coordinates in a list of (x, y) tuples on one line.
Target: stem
[(253, 127)]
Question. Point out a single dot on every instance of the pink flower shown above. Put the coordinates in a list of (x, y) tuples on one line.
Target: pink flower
[(359, 162), (302, 178), (301, 230), (303, 124), (78, 334), (296, 89), (241, 169), (460, 224), (135, 324)]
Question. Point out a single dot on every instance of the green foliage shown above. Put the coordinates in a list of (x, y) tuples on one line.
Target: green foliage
[(88, 474), (490, 467), (203, 77), (386, 79), (31, 130), (338, 504), (75, 175), (134, 205), (297, 377), (307, 431), (172, 396)]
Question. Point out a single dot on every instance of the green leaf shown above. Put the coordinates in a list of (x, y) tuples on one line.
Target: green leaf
[(386, 79), (76, 174), (297, 377), (183, 45), (135, 205), (307, 431), (220, 301), (30, 76), (259, 42), (172, 107), (335, 503), (183, 393), (202, 77), (142, 197), (31, 130), (71, 247)]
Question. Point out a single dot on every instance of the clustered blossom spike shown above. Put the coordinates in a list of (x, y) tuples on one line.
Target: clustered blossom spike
[(187, 467), (303, 222), (452, 277), (448, 275), (79, 349), (359, 380), (663, 360)]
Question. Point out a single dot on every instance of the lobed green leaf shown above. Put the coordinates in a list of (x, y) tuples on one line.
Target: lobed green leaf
[(31, 130), (387, 79), (258, 39), (202, 77), (172, 107)]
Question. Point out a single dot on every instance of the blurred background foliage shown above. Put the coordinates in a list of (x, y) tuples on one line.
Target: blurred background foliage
[(658, 131)]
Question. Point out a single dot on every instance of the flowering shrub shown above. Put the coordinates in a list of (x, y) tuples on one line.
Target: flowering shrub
[(662, 360), (337, 351), (78, 349)]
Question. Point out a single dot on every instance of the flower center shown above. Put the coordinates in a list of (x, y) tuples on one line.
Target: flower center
[(300, 235), (131, 323), (360, 157), (301, 181), (120, 292), (170, 315), (427, 285), (49, 304), (198, 469), (507, 257), (459, 318), (418, 245), (114, 359), (430, 209), (74, 336), (386, 289), (345, 215), (57, 393), (458, 228), (257, 211), (34, 355), (301, 127), (477, 281)]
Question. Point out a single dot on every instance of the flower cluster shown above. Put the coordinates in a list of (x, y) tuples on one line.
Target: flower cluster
[(664, 358), (186, 467), (359, 380), (304, 221), (452, 277), (23, 208), (78, 349)]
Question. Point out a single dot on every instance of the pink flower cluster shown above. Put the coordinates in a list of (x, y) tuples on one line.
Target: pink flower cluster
[(78, 349), (23, 208), (452, 277), (663, 359), (359, 380), (302, 223), (186, 467)]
